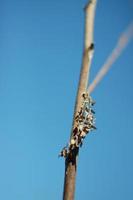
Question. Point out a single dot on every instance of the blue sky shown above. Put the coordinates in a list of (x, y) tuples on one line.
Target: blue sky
[(41, 45)]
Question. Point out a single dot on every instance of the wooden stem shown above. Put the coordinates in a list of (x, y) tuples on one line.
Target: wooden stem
[(71, 161)]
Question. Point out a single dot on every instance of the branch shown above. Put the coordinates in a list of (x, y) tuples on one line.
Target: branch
[(71, 159), (122, 43)]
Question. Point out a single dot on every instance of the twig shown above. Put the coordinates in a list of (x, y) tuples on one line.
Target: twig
[(71, 160), (120, 46)]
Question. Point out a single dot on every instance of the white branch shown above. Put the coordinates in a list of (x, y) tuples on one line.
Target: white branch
[(122, 43)]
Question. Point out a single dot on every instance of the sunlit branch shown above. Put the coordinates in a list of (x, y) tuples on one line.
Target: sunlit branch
[(122, 43)]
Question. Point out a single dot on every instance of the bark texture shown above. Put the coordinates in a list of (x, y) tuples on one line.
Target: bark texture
[(71, 161)]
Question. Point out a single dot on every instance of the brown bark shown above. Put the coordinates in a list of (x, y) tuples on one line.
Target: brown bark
[(71, 160)]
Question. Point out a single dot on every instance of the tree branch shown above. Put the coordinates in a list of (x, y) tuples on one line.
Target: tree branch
[(121, 44), (71, 159)]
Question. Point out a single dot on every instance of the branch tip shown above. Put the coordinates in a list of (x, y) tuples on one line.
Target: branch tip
[(89, 3)]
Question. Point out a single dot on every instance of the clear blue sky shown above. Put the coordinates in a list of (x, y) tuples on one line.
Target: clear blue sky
[(41, 44)]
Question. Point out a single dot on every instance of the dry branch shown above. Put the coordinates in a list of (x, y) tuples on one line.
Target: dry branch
[(71, 160), (122, 43)]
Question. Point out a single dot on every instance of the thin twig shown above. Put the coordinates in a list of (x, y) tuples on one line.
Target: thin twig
[(122, 43), (71, 161)]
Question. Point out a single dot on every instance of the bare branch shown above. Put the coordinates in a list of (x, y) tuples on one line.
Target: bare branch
[(88, 53), (122, 43), (71, 160)]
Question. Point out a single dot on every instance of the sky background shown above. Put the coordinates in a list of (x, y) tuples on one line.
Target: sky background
[(41, 44)]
